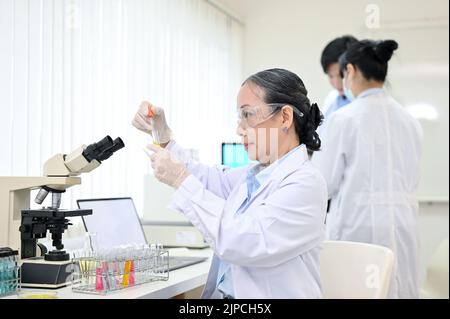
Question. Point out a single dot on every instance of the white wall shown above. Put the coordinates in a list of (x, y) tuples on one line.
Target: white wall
[(292, 33), (74, 71)]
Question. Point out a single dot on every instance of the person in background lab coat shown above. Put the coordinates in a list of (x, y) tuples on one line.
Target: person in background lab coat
[(264, 222), (336, 99), (371, 160), (330, 65)]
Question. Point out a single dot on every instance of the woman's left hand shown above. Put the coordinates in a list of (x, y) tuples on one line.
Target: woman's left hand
[(167, 169)]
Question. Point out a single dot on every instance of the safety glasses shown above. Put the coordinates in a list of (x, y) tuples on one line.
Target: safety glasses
[(252, 116)]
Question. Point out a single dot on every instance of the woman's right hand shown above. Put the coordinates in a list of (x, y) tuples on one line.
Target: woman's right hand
[(151, 120)]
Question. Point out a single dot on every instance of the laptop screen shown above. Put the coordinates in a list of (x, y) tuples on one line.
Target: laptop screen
[(114, 221)]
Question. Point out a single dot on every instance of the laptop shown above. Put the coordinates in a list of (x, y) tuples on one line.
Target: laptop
[(115, 222)]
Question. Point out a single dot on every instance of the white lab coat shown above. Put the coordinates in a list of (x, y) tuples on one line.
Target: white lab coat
[(371, 160), (329, 100), (273, 247)]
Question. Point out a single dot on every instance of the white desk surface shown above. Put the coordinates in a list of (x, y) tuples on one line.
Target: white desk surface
[(180, 281)]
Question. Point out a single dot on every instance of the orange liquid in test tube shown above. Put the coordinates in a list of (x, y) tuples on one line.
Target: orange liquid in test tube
[(126, 274), (150, 115)]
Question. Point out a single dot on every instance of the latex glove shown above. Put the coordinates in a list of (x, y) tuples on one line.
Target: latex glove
[(167, 169), (152, 120)]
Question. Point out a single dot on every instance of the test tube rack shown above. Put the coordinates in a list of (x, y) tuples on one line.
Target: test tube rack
[(9, 272), (102, 273)]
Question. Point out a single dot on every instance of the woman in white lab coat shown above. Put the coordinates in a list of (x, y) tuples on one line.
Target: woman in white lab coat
[(264, 222), (371, 159)]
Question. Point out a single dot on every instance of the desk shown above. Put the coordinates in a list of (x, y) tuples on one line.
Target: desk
[(180, 281)]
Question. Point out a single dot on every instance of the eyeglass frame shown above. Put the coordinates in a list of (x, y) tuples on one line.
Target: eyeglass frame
[(278, 107)]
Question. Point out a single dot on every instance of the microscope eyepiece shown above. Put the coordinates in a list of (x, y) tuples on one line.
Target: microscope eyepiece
[(118, 144), (93, 151)]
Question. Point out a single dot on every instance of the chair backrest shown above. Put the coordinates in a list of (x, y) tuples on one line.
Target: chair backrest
[(436, 283), (351, 270)]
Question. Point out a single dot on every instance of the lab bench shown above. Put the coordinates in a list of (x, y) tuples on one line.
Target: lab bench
[(180, 281)]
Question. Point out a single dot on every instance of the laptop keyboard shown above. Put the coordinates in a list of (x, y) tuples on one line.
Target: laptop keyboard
[(181, 262)]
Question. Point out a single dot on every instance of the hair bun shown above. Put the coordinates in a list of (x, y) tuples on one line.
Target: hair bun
[(315, 115), (385, 49)]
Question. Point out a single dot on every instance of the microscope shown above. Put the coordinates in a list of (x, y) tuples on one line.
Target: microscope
[(21, 227)]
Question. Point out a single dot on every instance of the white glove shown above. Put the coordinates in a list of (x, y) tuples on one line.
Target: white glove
[(167, 169), (151, 120)]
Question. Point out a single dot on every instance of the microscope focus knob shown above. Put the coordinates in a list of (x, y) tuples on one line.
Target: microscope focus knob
[(24, 228)]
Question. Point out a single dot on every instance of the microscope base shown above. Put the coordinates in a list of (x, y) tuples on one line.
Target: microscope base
[(39, 273)]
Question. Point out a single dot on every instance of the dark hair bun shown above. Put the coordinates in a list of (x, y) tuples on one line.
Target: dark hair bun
[(316, 116), (385, 49), (309, 136)]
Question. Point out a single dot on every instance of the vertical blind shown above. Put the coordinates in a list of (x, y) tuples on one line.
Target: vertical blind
[(74, 71)]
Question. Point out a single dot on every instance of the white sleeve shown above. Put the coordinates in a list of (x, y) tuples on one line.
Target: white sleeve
[(219, 179), (330, 99), (289, 223)]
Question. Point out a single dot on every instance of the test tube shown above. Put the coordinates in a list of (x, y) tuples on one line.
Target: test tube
[(137, 263), (112, 273), (126, 274), (155, 134), (142, 265), (98, 280), (145, 264), (105, 275), (153, 260), (91, 269), (132, 273), (159, 258)]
